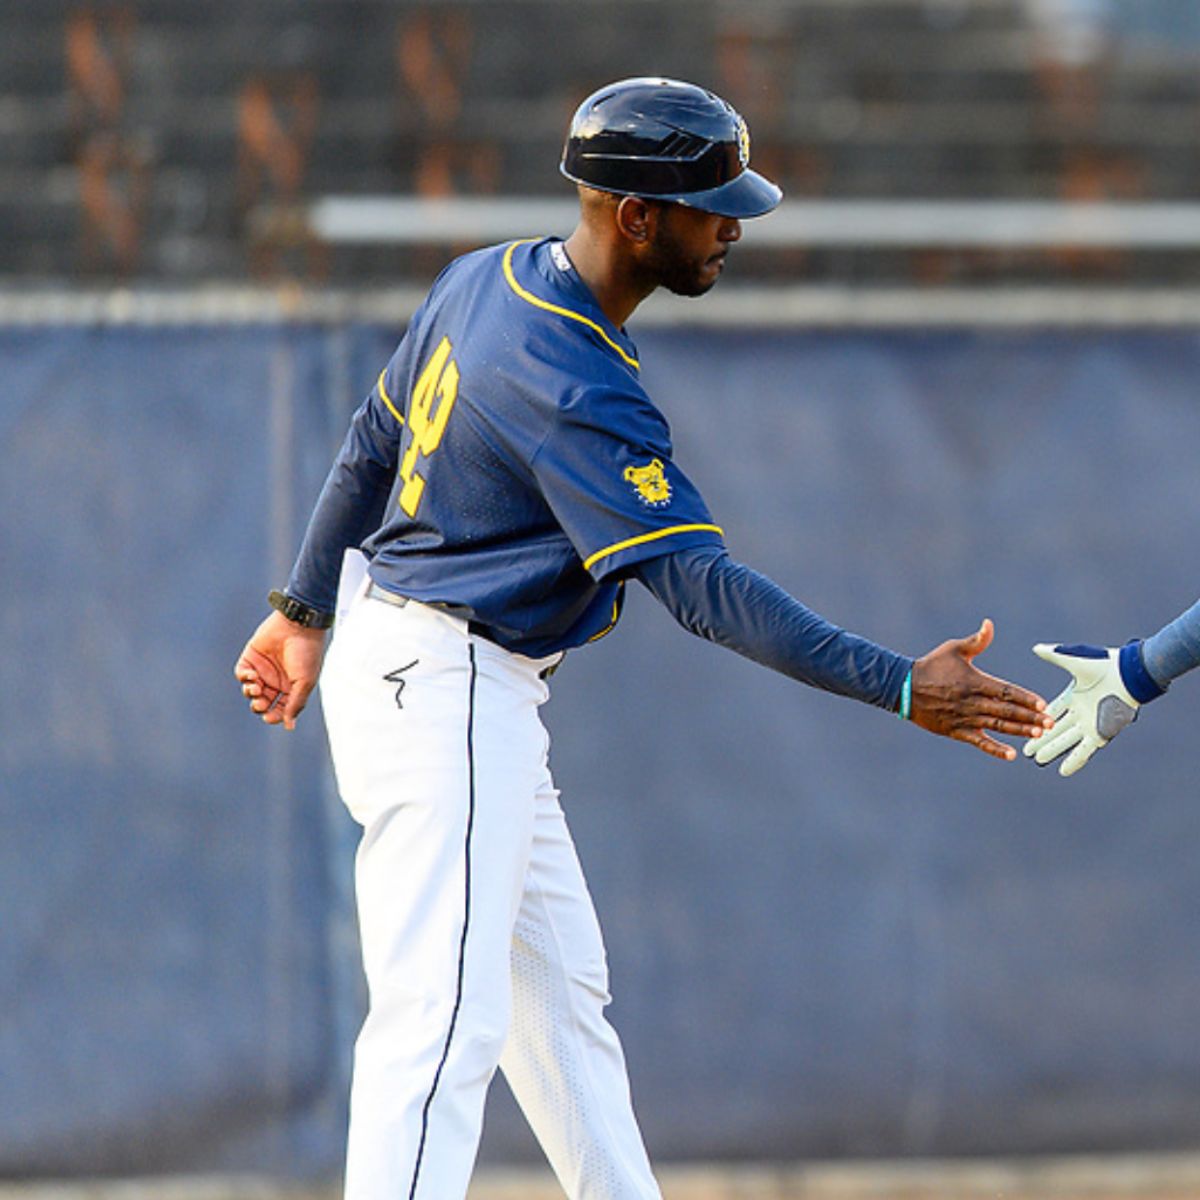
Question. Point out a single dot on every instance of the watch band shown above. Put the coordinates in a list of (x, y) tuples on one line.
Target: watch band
[(299, 612)]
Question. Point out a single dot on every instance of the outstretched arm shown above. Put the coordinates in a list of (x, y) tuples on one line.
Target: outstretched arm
[(718, 599)]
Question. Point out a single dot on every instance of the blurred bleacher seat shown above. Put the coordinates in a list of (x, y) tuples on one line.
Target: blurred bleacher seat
[(170, 141)]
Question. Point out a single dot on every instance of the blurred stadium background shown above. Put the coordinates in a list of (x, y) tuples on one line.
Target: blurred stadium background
[(954, 376)]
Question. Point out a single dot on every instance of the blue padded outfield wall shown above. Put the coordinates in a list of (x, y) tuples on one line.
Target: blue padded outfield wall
[(830, 934)]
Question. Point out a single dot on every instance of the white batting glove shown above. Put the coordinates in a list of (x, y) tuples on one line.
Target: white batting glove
[(1108, 687)]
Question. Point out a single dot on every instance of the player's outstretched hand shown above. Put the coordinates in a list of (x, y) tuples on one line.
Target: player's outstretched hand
[(951, 696), (1107, 687), (278, 669)]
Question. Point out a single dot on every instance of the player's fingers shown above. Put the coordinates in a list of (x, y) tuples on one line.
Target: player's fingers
[(1029, 719), (259, 693), (985, 742), (1065, 736), (1048, 652), (1059, 705), (1078, 758), (251, 663), (294, 703), (1075, 665), (979, 641), (1059, 712), (1005, 717), (1034, 744), (271, 707), (251, 684), (1014, 727), (991, 687)]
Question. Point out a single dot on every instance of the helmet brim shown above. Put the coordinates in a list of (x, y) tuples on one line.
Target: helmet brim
[(749, 195)]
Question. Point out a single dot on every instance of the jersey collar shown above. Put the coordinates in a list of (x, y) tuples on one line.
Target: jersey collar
[(566, 295)]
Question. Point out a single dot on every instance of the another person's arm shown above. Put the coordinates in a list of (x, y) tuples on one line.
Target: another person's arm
[(1175, 648), (1108, 686)]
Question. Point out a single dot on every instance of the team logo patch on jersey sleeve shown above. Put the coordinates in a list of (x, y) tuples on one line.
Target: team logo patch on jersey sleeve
[(650, 483)]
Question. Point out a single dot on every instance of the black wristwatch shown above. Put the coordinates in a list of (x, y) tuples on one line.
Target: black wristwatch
[(299, 612)]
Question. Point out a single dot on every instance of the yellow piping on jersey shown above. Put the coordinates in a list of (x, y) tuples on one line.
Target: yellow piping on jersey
[(616, 614), (386, 398), (537, 302), (641, 539)]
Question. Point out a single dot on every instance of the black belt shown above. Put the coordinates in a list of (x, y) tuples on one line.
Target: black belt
[(375, 592)]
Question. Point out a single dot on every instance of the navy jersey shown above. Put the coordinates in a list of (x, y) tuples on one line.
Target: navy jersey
[(508, 464)]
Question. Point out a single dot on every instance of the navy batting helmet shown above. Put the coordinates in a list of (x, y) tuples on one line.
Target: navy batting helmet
[(667, 140)]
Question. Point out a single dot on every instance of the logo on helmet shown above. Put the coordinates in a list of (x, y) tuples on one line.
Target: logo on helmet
[(743, 137)]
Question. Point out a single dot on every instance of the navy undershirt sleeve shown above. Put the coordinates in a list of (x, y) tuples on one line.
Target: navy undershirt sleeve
[(349, 508), (725, 602)]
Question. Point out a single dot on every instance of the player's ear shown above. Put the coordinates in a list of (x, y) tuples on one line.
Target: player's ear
[(635, 218)]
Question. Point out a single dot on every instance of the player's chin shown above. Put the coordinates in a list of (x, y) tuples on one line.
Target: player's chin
[(703, 281)]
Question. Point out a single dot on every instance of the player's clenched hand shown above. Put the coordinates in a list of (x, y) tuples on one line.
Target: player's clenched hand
[(278, 669), (951, 696)]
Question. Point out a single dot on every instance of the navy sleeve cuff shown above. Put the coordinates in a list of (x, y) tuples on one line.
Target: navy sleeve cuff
[(1141, 684)]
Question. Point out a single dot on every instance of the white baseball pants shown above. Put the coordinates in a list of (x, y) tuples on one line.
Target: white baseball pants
[(480, 943)]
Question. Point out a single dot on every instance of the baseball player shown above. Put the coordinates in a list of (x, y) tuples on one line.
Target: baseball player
[(505, 479), (1108, 686)]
